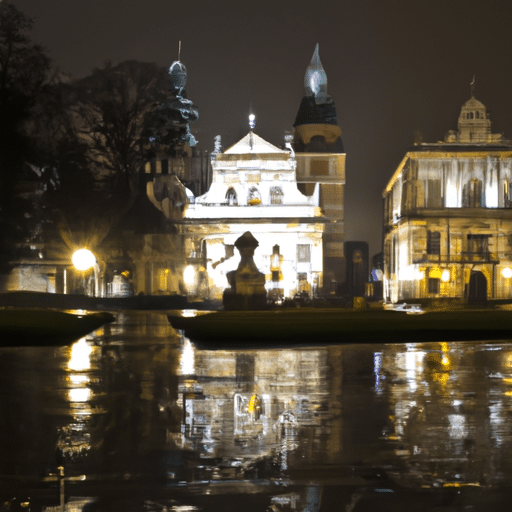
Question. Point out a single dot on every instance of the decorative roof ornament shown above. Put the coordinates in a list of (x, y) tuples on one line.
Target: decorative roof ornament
[(178, 75), (168, 125), (472, 84), (315, 79), (252, 121)]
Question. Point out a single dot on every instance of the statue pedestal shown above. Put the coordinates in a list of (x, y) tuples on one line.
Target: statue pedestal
[(247, 283)]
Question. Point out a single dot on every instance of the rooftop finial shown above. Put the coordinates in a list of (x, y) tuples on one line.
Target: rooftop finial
[(252, 121), (315, 79), (473, 87), (179, 51)]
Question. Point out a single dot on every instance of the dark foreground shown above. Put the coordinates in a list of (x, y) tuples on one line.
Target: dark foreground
[(35, 327), (310, 325), (141, 419)]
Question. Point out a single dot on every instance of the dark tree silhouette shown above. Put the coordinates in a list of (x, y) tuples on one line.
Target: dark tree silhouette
[(24, 68), (111, 107)]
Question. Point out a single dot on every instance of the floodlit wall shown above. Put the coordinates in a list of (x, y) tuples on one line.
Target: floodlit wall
[(254, 188), (448, 215)]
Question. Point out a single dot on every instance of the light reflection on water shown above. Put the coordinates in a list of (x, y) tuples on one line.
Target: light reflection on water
[(305, 428)]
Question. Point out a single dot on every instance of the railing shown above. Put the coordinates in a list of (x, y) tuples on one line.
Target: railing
[(462, 257)]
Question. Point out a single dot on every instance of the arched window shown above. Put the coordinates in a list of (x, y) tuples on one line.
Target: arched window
[(231, 197), (254, 196), (477, 115)]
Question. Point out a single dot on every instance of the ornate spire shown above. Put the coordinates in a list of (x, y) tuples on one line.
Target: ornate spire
[(178, 75), (315, 79)]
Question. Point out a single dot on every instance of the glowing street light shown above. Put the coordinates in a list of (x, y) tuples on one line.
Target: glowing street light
[(84, 259)]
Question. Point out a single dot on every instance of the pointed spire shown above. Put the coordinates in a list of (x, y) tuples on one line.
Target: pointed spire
[(473, 87), (177, 75), (315, 79)]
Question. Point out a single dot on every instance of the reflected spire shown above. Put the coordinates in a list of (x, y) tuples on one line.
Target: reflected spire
[(315, 79)]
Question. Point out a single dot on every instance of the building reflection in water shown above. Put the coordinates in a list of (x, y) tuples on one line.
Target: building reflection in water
[(256, 399), (450, 411), (142, 404)]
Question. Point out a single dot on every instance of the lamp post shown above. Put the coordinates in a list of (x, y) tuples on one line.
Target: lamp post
[(84, 259)]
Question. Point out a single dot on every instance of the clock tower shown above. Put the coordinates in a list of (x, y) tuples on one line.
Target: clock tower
[(321, 162)]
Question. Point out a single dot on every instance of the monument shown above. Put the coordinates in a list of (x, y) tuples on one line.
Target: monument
[(247, 283)]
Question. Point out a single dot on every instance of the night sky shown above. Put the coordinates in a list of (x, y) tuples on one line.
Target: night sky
[(395, 68)]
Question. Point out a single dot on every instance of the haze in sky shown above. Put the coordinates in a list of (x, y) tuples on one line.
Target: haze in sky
[(398, 70)]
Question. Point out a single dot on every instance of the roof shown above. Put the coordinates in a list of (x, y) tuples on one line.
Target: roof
[(253, 143), (473, 103)]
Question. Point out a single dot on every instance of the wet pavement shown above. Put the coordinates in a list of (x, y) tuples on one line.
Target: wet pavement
[(139, 418)]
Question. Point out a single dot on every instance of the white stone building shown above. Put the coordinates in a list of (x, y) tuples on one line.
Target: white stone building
[(254, 188), (448, 216)]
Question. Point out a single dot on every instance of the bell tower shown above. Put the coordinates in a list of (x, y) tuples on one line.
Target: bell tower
[(321, 160)]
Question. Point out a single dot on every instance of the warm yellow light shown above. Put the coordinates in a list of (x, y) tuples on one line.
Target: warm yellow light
[(506, 272), (189, 275), (80, 359), (79, 394), (83, 259), (445, 276), (435, 272)]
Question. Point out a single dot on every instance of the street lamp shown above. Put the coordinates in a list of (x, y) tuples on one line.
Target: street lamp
[(84, 259)]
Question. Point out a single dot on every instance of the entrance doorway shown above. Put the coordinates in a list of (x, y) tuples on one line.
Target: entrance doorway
[(477, 288)]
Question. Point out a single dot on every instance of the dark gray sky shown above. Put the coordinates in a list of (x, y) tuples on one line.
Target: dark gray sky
[(395, 67)]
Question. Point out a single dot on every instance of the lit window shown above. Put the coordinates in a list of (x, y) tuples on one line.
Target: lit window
[(434, 242), (303, 253), (433, 284), (253, 196), (276, 195), (231, 197), (472, 194), (478, 244)]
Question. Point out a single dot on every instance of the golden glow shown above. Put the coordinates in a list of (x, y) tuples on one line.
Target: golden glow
[(79, 395), (189, 275), (80, 356), (79, 378), (187, 358), (506, 272), (445, 276), (83, 259), (435, 272)]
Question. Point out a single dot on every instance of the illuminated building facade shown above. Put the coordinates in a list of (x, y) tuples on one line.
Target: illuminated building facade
[(321, 163), (254, 189), (448, 216)]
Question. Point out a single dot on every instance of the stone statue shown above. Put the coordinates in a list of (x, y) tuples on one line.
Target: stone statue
[(247, 283)]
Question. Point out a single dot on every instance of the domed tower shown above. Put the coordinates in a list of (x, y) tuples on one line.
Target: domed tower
[(321, 160), (474, 124)]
